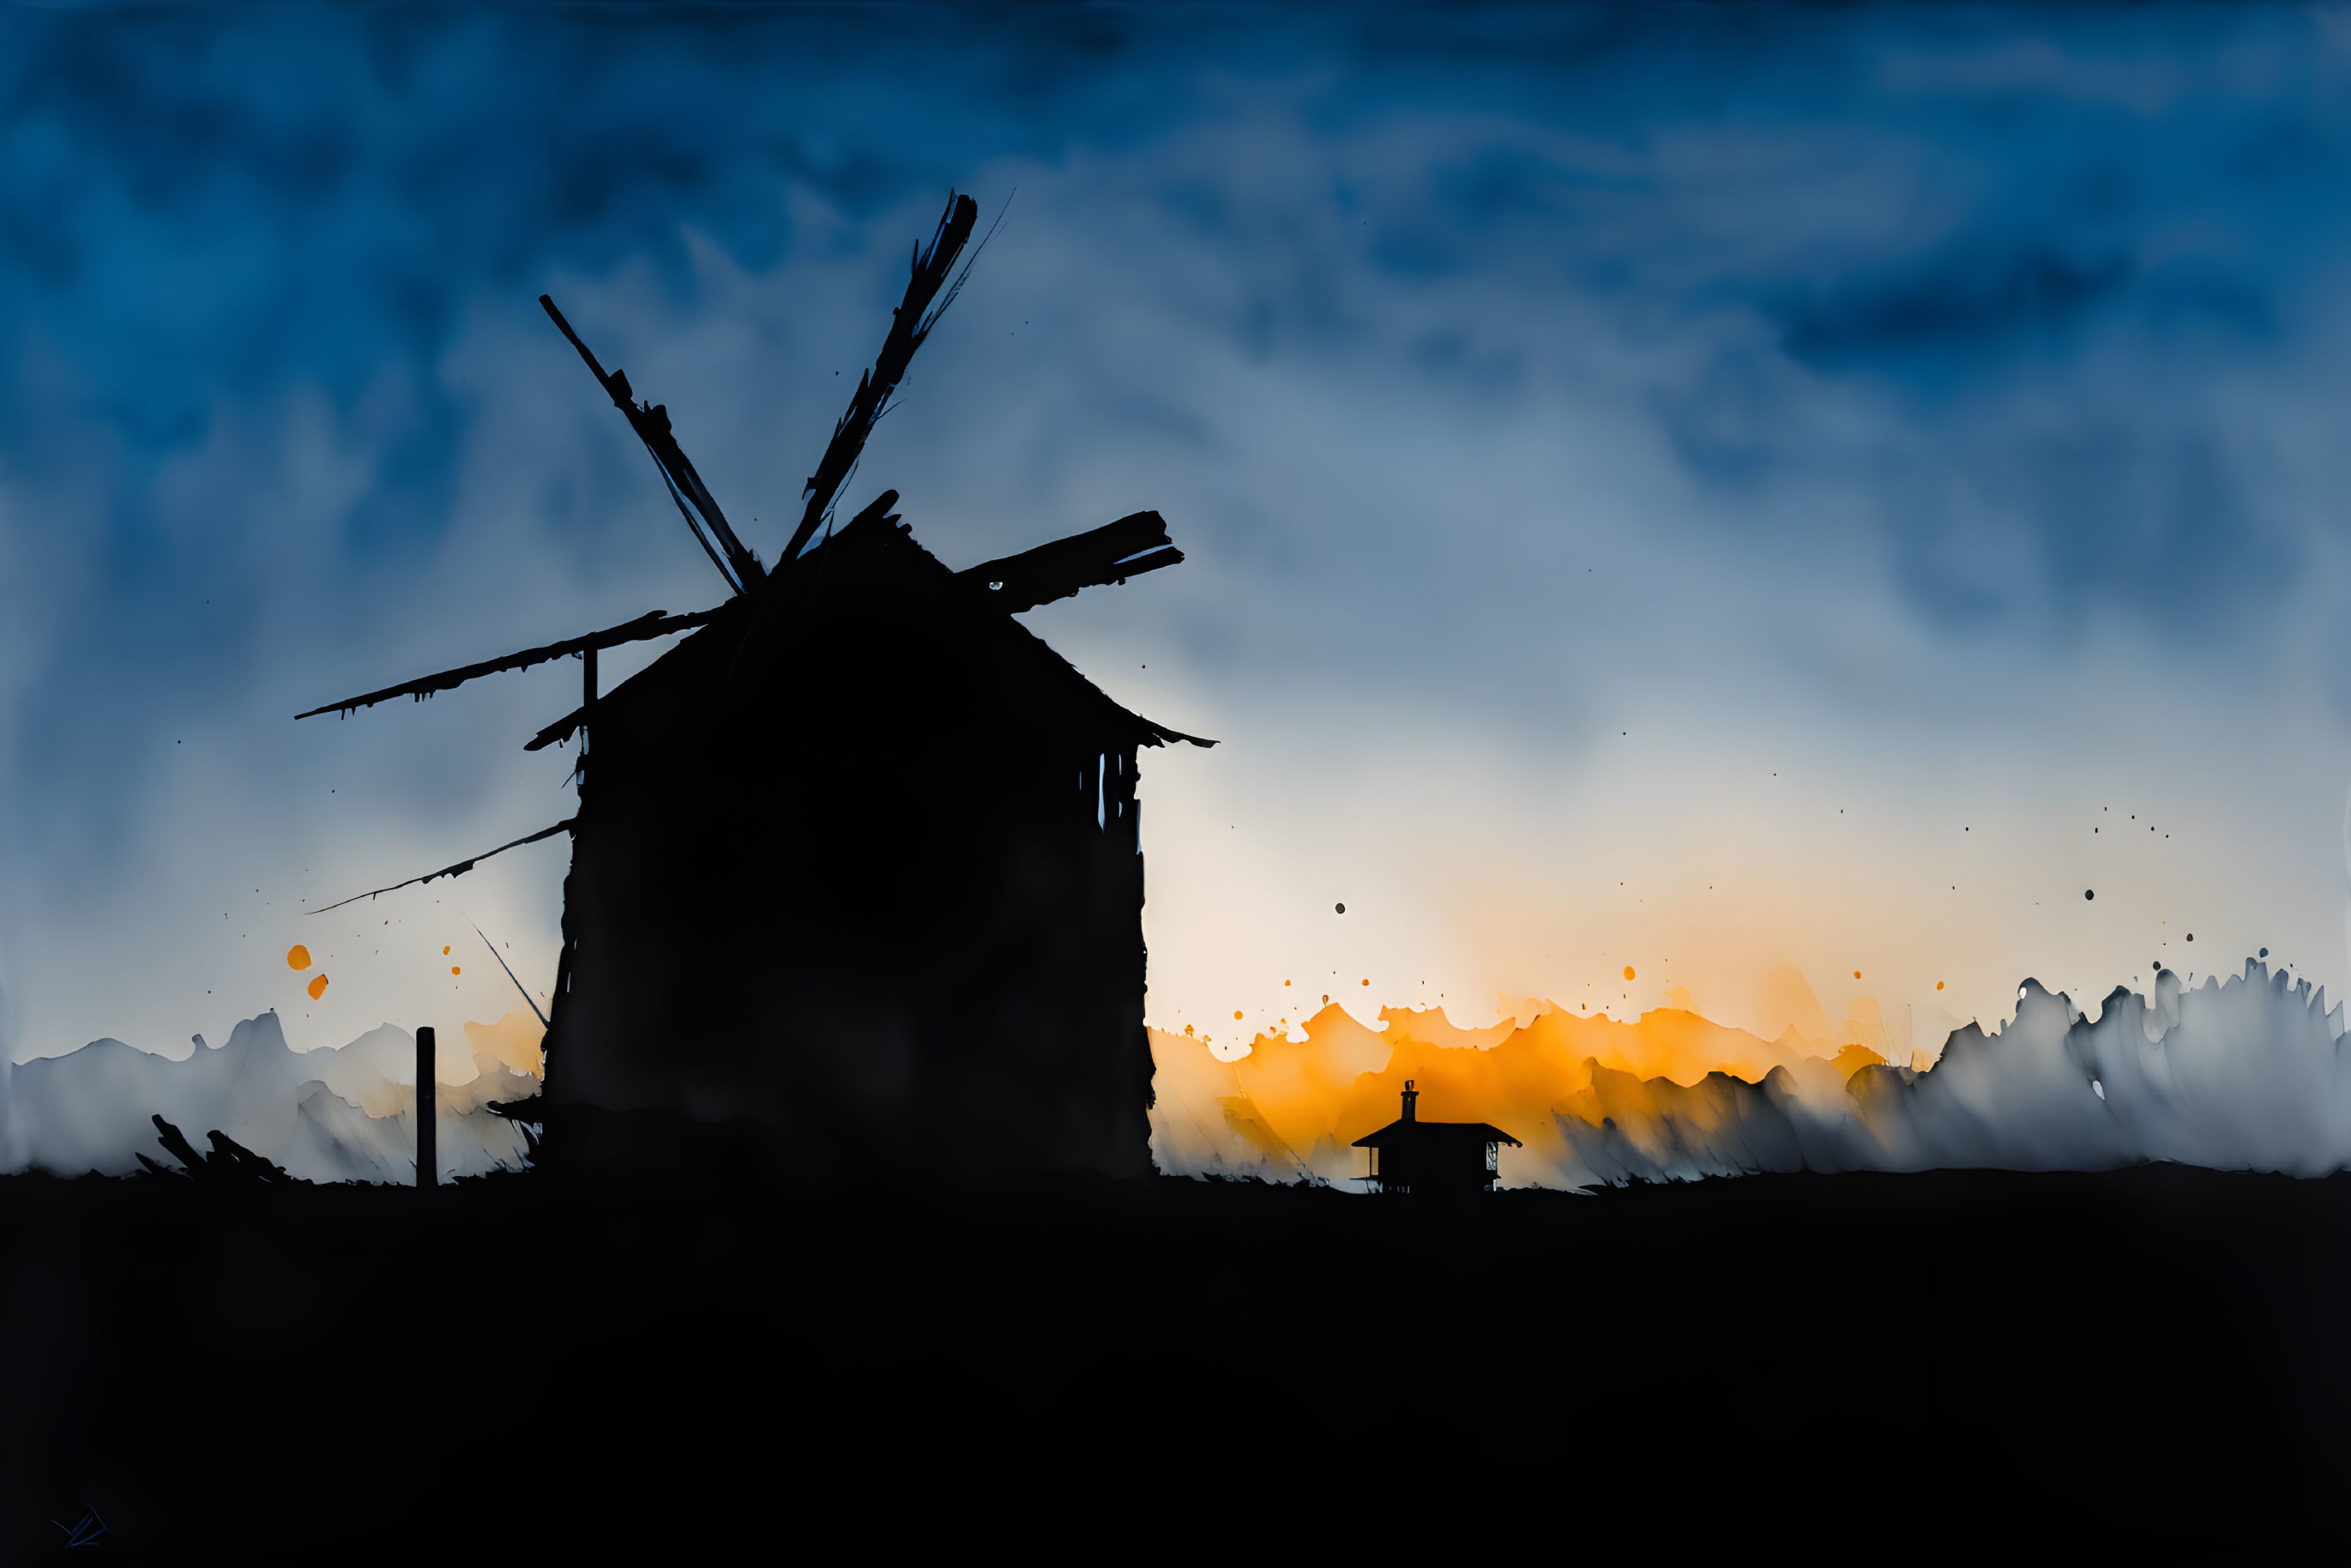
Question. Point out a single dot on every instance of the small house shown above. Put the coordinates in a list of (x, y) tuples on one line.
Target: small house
[(1410, 1155)]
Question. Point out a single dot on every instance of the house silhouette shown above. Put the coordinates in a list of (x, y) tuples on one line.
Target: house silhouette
[(1412, 1156)]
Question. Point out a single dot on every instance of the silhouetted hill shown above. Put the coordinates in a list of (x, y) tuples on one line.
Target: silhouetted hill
[(676, 1363)]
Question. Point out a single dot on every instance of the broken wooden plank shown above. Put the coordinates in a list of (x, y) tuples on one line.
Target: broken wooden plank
[(561, 729), (230, 1164), (234, 1162), (653, 623), (1111, 553), (176, 1145)]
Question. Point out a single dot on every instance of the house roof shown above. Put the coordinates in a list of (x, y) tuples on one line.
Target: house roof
[(1401, 1132)]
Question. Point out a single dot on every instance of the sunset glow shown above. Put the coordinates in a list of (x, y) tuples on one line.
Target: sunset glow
[(1301, 1099)]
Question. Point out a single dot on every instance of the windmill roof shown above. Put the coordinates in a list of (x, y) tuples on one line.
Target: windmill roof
[(1402, 1132), (877, 561)]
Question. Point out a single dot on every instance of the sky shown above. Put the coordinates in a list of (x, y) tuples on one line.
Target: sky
[(1781, 502)]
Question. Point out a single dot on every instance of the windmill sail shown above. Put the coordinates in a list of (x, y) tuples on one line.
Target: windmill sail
[(741, 569), (462, 867), (651, 623), (909, 325)]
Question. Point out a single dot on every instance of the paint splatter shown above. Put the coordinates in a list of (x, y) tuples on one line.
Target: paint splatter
[(297, 957), (1938, 985), (317, 988), (455, 970), (1628, 972)]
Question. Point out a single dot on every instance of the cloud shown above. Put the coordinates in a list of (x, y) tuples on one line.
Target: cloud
[(1500, 374)]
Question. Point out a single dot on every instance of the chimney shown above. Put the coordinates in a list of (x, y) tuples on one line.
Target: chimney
[(1410, 1096)]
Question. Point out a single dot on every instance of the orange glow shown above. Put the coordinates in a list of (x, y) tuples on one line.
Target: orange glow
[(1853, 1058), (297, 957), (317, 988), (1300, 1103), (513, 1042)]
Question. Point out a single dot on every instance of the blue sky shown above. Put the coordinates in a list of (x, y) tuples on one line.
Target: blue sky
[(1723, 487)]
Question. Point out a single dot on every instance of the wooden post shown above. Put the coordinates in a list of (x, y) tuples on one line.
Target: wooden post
[(428, 1107), (586, 706)]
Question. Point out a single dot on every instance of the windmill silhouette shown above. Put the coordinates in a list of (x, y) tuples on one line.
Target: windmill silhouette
[(858, 858)]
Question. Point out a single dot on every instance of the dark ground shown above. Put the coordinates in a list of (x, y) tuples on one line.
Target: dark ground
[(707, 1365)]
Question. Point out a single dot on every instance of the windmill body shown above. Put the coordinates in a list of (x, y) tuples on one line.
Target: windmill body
[(858, 858)]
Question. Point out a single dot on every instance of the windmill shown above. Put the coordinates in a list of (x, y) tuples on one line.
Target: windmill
[(859, 857)]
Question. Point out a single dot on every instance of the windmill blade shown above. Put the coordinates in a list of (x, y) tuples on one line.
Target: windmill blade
[(461, 868), (700, 537), (741, 567), (653, 623), (908, 327)]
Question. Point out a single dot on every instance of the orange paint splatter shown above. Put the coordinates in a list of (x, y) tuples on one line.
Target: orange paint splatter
[(455, 970), (1938, 985), (1285, 982), (317, 988), (297, 957), (1368, 982), (1856, 974), (1628, 972), (1236, 1013), (444, 951)]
